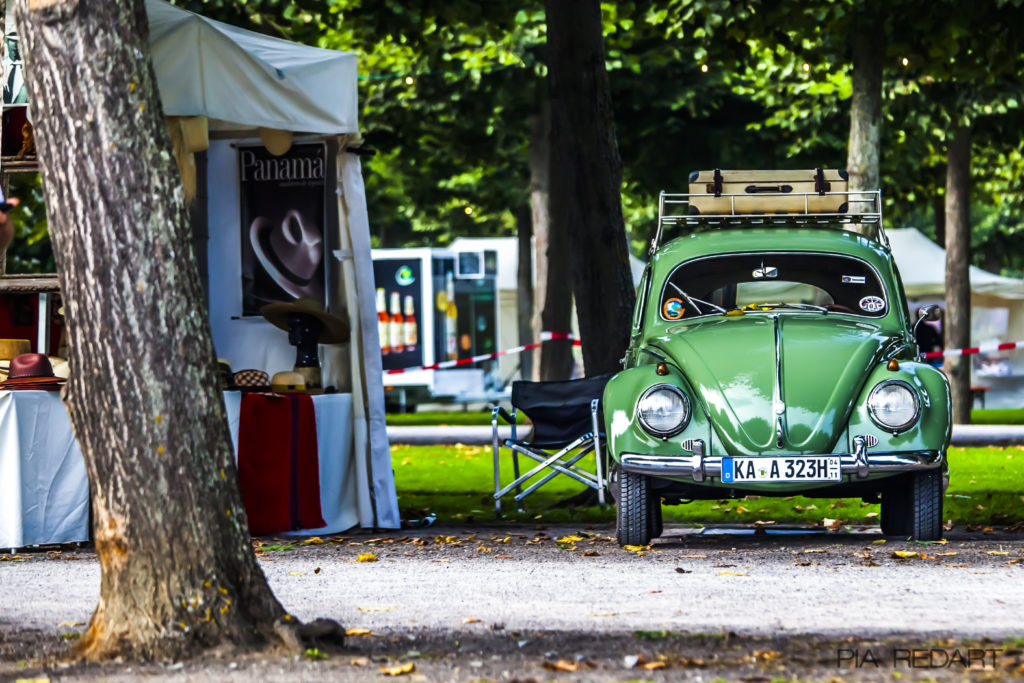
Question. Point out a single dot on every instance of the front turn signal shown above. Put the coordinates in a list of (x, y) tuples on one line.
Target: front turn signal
[(894, 365), (662, 369)]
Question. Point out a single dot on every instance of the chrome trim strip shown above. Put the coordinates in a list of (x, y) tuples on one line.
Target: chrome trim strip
[(778, 405)]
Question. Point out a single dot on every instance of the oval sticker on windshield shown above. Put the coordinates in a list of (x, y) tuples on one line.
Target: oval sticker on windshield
[(872, 304), (673, 309)]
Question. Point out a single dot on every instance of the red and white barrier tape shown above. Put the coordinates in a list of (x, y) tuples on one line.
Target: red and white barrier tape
[(983, 348), (544, 337)]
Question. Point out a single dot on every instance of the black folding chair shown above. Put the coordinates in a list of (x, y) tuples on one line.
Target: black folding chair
[(566, 417)]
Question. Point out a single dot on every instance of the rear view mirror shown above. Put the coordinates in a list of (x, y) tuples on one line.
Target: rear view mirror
[(766, 272)]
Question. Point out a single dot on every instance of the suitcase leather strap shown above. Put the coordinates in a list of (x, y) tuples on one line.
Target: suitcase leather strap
[(715, 187), (821, 186)]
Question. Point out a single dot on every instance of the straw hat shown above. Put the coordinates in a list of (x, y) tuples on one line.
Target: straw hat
[(335, 331), (31, 371), (9, 348), (287, 381)]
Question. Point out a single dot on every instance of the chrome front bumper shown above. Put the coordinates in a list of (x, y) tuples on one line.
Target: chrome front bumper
[(699, 467)]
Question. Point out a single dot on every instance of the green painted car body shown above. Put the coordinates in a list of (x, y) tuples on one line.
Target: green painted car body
[(774, 380)]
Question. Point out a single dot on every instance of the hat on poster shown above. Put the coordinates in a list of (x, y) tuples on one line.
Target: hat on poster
[(335, 330), (31, 371)]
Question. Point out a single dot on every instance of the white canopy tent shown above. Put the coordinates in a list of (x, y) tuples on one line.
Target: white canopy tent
[(241, 82)]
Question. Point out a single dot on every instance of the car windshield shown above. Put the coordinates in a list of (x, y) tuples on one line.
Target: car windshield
[(814, 282)]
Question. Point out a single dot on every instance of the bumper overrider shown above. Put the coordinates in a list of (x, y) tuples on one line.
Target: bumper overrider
[(700, 467)]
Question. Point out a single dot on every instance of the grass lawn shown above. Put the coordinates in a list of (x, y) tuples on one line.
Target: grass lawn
[(455, 483), (437, 419), (998, 416)]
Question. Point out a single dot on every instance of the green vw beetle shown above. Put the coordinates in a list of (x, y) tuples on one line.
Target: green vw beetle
[(775, 355)]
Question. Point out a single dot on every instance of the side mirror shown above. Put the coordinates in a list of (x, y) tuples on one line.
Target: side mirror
[(922, 315)]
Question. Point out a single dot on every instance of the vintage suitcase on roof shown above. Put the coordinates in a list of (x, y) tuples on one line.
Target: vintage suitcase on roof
[(768, 192)]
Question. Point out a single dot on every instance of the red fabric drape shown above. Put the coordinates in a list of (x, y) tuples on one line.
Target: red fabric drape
[(278, 466)]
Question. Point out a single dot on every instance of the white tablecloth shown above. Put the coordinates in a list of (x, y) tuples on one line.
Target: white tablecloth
[(44, 491), (338, 496)]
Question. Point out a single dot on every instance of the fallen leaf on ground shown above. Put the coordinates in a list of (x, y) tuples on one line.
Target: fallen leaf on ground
[(693, 556), (359, 661), (949, 554), (904, 554), (880, 540), (807, 564), (375, 609), (871, 515), (471, 620), (651, 666), (997, 552), (732, 573), (294, 573), (358, 632), (607, 614), (815, 550), (70, 624), (569, 539), (590, 553), (315, 540), (366, 557), (562, 665), (832, 524), (680, 570), (398, 669)]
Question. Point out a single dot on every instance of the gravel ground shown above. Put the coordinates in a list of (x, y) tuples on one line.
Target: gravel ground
[(532, 596)]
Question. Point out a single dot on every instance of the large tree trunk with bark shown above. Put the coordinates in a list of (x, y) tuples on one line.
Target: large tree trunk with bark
[(867, 45), (958, 275), (524, 287), (585, 189), (177, 570), (552, 293)]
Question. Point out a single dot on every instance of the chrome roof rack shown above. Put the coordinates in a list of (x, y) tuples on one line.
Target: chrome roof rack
[(862, 214)]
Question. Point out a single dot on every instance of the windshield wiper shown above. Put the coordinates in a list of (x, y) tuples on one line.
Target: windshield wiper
[(693, 301), (799, 306)]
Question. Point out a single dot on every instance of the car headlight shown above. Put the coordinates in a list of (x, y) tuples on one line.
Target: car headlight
[(664, 410), (893, 405)]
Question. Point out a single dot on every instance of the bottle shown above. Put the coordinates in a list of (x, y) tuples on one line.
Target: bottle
[(450, 317), (383, 323), (396, 323), (410, 324)]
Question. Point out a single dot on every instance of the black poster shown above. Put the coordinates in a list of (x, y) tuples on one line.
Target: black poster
[(282, 221), (399, 312)]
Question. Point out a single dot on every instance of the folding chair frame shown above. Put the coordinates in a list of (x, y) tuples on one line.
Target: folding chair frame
[(560, 462)]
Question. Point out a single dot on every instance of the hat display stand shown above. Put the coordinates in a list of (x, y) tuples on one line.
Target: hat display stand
[(308, 325)]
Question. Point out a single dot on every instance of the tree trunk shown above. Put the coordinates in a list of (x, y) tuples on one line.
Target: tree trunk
[(867, 43), (524, 288), (177, 569), (552, 295), (585, 187), (958, 262)]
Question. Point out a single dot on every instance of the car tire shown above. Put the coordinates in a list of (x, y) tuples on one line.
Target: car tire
[(633, 515), (914, 510), (657, 525)]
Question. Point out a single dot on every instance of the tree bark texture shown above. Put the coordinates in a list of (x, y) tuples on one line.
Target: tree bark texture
[(867, 45), (957, 331), (553, 360), (177, 570), (524, 287), (586, 181)]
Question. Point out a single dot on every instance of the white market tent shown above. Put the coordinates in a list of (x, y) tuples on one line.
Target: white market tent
[(243, 81), (922, 265)]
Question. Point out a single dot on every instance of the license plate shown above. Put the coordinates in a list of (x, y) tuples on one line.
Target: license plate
[(792, 468)]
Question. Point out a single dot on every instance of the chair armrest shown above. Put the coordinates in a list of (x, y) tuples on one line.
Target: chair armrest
[(498, 410)]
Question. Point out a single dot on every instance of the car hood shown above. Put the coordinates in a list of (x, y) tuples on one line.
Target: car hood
[(731, 364)]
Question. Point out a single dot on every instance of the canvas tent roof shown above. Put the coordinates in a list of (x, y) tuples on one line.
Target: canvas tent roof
[(922, 265), (246, 80)]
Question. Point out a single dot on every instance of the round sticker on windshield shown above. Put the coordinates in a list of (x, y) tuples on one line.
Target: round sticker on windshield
[(872, 304), (673, 309)]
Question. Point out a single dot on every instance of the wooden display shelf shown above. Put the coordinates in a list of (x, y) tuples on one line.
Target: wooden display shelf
[(28, 284)]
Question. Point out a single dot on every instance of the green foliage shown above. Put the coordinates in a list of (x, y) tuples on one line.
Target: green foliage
[(30, 252)]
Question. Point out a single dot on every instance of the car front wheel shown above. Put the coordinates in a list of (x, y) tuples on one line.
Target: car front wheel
[(633, 518), (914, 509)]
